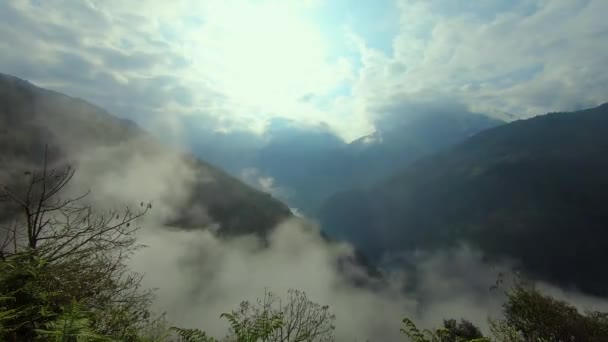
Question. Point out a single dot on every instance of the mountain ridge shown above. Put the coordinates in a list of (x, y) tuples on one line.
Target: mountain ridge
[(32, 117), (309, 164), (504, 190)]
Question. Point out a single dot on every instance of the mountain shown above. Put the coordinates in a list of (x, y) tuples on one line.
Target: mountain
[(399, 142), (309, 164), (532, 190), (32, 117)]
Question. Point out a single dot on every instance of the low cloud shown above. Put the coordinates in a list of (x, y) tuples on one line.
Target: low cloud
[(199, 275), (268, 184)]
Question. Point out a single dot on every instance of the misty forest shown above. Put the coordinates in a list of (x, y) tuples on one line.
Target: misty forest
[(303, 171)]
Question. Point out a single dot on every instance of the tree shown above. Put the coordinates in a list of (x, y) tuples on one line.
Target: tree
[(452, 331), (57, 250), (302, 319), (57, 228), (461, 331), (531, 316)]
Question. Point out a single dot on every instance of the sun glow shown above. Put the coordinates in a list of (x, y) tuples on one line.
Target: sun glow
[(268, 54)]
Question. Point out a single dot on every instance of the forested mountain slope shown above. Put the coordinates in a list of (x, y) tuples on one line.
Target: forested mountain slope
[(32, 117), (535, 190), (309, 164)]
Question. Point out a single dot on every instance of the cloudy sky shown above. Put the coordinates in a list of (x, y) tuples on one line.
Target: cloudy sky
[(236, 64)]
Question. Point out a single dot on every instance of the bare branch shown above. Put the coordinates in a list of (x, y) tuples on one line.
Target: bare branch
[(303, 320), (84, 251)]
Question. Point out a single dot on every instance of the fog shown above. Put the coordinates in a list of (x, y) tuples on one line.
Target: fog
[(197, 275)]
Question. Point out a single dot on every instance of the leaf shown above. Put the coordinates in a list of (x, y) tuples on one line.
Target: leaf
[(192, 335)]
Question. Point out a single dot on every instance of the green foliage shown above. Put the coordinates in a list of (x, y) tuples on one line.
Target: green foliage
[(63, 273), (27, 303), (191, 335), (31, 309), (6, 315), (72, 325), (461, 331), (529, 316), (532, 316), (452, 331), (414, 334), (259, 328), (302, 319), (37, 301)]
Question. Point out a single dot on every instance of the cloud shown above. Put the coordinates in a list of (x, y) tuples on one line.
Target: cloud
[(109, 58), (137, 171), (522, 57), (253, 178), (199, 275), (145, 60), (238, 69), (206, 276)]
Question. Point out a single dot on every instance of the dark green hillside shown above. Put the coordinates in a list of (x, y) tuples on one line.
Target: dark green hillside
[(31, 117), (535, 190)]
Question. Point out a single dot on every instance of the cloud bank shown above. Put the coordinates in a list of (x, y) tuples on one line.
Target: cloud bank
[(239, 64), (199, 275)]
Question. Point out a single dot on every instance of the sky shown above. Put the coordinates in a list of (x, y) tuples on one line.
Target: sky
[(241, 65), (238, 64)]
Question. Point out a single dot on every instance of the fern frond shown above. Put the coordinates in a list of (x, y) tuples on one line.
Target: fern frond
[(412, 331), (72, 325), (191, 335)]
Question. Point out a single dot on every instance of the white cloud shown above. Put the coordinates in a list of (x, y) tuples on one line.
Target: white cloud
[(199, 276), (268, 184), (527, 57), (203, 276), (241, 62)]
